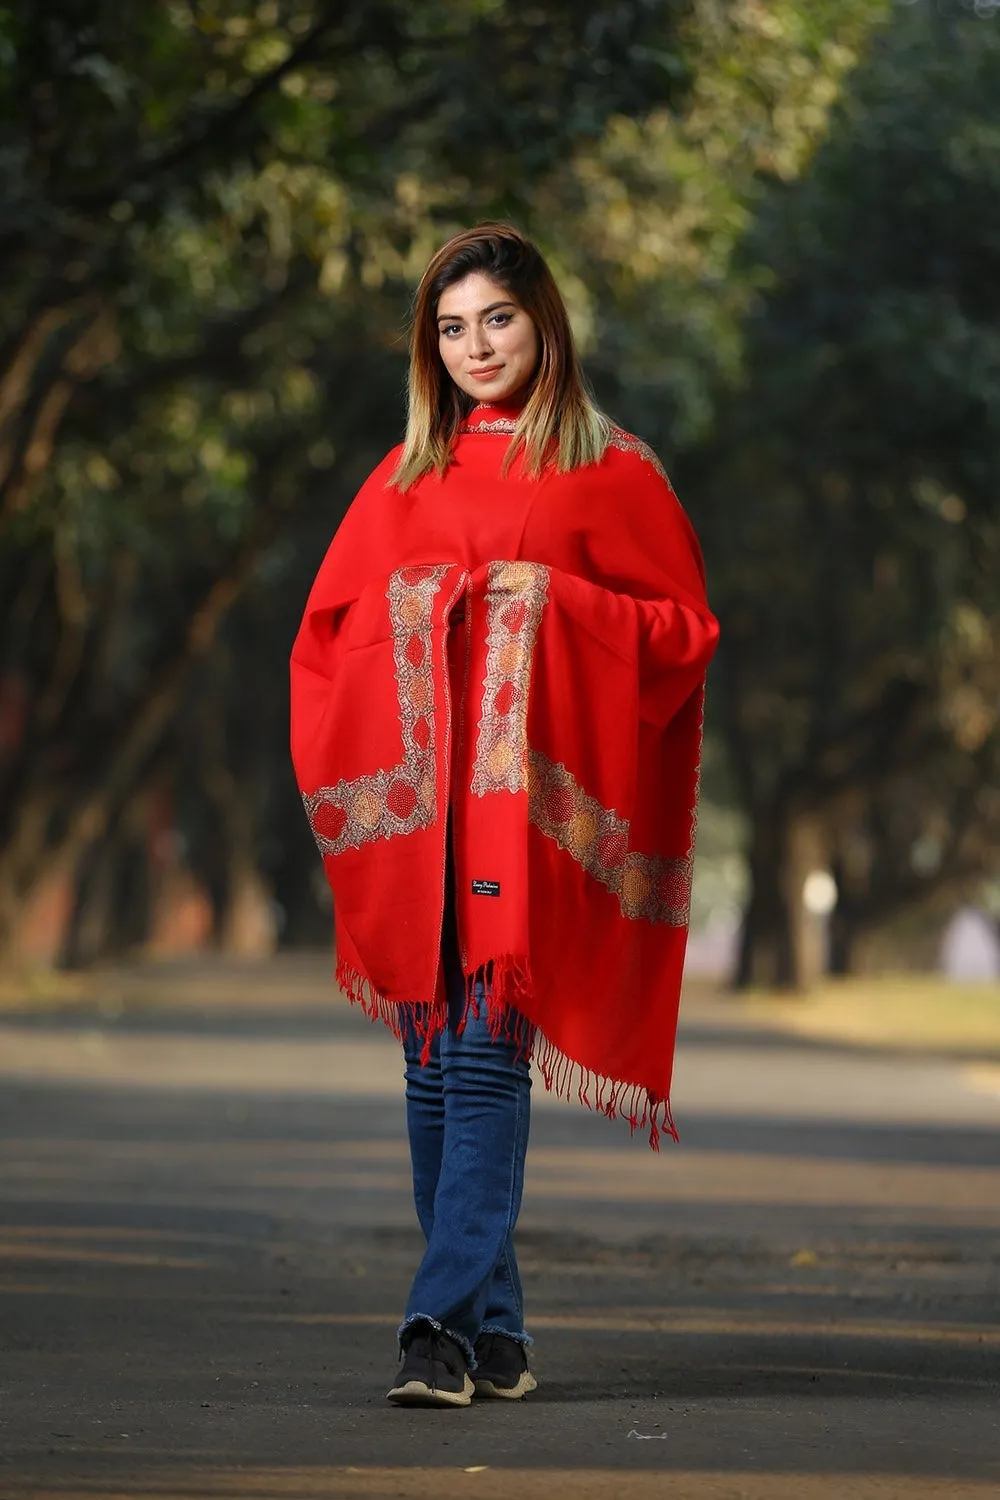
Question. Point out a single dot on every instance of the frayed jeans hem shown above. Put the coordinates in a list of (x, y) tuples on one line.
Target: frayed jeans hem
[(524, 1339), (460, 1340)]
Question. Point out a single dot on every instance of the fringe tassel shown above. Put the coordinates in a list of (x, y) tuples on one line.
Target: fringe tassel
[(611, 1097), (361, 992), (505, 981), (427, 1021)]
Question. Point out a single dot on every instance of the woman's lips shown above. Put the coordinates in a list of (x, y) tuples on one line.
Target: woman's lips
[(486, 374)]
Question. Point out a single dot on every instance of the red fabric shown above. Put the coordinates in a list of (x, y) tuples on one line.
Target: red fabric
[(532, 651)]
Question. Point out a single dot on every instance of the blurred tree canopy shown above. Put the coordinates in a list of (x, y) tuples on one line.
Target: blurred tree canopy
[(848, 500), (214, 217)]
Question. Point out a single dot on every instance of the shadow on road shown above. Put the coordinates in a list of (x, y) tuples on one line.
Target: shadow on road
[(202, 1281)]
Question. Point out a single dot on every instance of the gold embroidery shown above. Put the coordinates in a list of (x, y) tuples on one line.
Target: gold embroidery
[(516, 594), (498, 424), (624, 441), (696, 802), (629, 444), (403, 799), (649, 888)]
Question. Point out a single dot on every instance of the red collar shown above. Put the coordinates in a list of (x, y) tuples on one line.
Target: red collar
[(489, 411), (496, 415)]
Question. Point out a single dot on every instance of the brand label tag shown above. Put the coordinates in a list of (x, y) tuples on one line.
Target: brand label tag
[(486, 887)]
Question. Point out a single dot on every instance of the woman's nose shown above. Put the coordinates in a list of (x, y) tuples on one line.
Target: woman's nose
[(479, 344)]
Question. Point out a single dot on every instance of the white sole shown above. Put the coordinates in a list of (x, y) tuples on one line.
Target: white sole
[(524, 1387), (416, 1393)]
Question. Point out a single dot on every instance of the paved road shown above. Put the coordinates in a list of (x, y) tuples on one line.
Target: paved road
[(206, 1238)]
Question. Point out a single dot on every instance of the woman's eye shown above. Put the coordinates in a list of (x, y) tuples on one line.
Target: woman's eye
[(451, 328), (500, 319)]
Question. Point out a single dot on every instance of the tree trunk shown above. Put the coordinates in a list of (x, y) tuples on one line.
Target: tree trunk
[(767, 951), (23, 862), (782, 945), (846, 931), (112, 905), (31, 853), (242, 920)]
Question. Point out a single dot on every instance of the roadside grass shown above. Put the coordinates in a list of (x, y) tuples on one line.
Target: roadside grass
[(915, 1012)]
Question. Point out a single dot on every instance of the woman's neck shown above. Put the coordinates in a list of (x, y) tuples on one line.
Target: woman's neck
[(509, 406)]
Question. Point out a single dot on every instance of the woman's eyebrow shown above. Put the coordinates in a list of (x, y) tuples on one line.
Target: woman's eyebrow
[(456, 318)]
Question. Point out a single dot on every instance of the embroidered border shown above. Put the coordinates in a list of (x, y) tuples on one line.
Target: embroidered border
[(624, 441), (516, 595), (629, 444), (696, 804), (401, 800), (649, 888), (498, 424)]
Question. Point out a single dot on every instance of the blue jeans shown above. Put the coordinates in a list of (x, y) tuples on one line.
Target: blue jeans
[(468, 1111)]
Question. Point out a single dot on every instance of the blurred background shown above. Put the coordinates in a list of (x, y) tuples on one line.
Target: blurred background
[(778, 228), (777, 225)]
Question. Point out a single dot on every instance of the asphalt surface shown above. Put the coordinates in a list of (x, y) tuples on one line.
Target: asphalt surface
[(206, 1238)]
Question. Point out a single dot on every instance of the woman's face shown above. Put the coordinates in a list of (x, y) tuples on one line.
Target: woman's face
[(488, 342)]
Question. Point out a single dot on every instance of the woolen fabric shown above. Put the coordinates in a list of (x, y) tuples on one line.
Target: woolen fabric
[(530, 653)]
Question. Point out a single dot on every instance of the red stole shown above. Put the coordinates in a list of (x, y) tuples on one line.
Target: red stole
[(565, 736)]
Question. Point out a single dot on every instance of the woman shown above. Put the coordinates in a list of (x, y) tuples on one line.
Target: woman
[(496, 724)]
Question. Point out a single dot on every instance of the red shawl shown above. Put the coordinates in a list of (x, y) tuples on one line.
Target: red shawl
[(531, 652)]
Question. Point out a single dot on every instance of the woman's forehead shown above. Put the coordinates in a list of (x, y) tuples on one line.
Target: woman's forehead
[(472, 296)]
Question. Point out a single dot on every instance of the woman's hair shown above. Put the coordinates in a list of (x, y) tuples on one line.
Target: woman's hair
[(559, 413)]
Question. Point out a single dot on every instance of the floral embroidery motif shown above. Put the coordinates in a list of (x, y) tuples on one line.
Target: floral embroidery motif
[(403, 799), (649, 887), (516, 594), (629, 444)]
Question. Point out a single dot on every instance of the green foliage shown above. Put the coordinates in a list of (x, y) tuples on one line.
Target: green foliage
[(214, 217), (664, 201), (849, 496)]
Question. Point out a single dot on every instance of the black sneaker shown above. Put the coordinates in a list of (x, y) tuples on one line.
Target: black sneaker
[(434, 1372), (502, 1368)]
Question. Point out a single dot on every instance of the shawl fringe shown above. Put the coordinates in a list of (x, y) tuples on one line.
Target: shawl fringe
[(506, 980)]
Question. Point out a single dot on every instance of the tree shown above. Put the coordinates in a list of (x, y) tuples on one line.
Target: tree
[(857, 571), (215, 217), (211, 220)]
